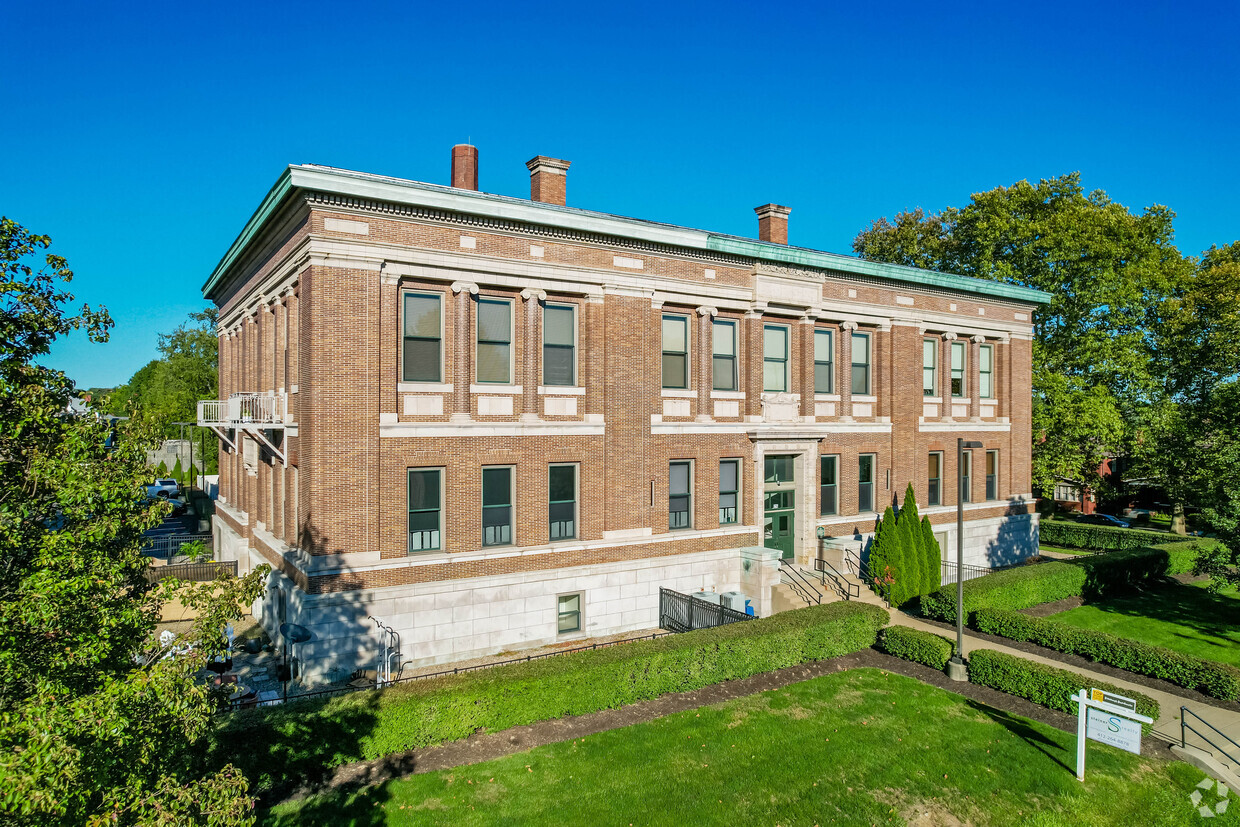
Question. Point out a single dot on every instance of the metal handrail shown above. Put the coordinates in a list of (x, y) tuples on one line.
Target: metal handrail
[(839, 581), (853, 558), (1184, 726), (801, 585), (970, 572)]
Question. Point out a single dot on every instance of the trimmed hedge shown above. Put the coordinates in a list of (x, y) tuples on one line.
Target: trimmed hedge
[(913, 644), (302, 740), (1042, 684), (1207, 677), (1091, 577), (1070, 534)]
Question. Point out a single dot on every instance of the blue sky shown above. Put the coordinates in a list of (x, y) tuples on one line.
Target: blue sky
[(142, 136)]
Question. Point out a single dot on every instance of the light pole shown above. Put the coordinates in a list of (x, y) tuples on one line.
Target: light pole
[(955, 667)]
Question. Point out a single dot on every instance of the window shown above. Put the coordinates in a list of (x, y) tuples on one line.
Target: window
[(559, 345), (865, 483), (675, 352), (934, 496), (966, 478), (723, 355), (422, 350), (562, 501), (1067, 491), (992, 475), (678, 496), (861, 364), (824, 361), (729, 488), (774, 358), (497, 506), (777, 469), (495, 341), (929, 367), (828, 490), (569, 613), (958, 368), (986, 372), (424, 505)]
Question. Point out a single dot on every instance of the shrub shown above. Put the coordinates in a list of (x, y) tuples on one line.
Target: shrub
[(913, 644), (1091, 577), (1068, 534), (1214, 679), (302, 741), (1042, 684)]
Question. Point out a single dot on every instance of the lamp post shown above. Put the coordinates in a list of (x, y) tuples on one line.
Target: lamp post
[(955, 667)]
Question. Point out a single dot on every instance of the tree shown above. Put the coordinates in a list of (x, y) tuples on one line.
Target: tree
[(98, 722), (166, 390), (910, 537), (178, 473), (934, 554), (1107, 271)]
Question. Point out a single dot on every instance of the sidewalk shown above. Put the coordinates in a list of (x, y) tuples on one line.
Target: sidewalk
[(1166, 727)]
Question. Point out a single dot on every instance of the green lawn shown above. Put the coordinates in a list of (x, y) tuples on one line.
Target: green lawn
[(1186, 618), (1077, 551), (860, 747)]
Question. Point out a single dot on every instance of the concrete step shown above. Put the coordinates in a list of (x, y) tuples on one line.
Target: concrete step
[(1218, 769)]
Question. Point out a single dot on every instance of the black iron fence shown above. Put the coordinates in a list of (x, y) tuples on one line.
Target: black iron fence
[(947, 573), (456, 670), (167, 546), (194, 572), (682, 613)]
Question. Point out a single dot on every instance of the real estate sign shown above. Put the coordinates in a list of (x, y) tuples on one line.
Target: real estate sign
[(1111, 719), (1123, 733)]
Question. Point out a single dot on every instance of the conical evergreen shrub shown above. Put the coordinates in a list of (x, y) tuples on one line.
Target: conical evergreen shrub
[(915, 548), (177, 471), (934, 554), (162, 470)]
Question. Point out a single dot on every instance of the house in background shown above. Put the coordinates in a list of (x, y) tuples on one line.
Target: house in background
[(496, 422)]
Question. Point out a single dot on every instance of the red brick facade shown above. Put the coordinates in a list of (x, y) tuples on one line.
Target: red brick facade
[(311, 310)]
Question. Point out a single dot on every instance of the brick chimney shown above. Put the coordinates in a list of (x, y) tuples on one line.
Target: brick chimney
[(465, 167), (773, 223), (548, 179)]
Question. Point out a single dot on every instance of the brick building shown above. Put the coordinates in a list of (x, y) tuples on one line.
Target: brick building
[(494, 423)]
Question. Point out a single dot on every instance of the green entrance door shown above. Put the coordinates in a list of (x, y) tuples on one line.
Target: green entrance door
[(779, 524)]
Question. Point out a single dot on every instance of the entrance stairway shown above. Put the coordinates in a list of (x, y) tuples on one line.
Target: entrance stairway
[(837, 574)]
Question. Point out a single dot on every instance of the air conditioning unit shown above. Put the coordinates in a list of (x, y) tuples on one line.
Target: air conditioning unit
[(709, 597), (733, 600)]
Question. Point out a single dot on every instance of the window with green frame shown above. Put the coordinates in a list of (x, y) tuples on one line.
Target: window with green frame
[(729, 490), (422, 346), (865, 483), (559, 345), (723, 355), (679, 495), (958, 359), (494, 353), (824, 361), (675, 352), (861, 364), (986, 372), (568, 608), (774, 358), (934, 472), (828, 485), (424, 509), (497, 506), (992, 475), (929, 367), (562, 501)]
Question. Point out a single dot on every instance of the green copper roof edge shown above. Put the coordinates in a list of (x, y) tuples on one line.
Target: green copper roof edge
[(383, 188), (895, 272), (270, 203)]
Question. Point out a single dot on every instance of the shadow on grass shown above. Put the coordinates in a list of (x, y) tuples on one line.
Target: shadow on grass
[(1190, 607), (365, 810), (1021, 729)]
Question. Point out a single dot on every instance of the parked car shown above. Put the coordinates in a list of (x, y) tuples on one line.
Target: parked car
[(1105, 519), (163, 488)]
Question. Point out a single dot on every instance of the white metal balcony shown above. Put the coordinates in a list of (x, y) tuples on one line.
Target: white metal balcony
[(254, 413)]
